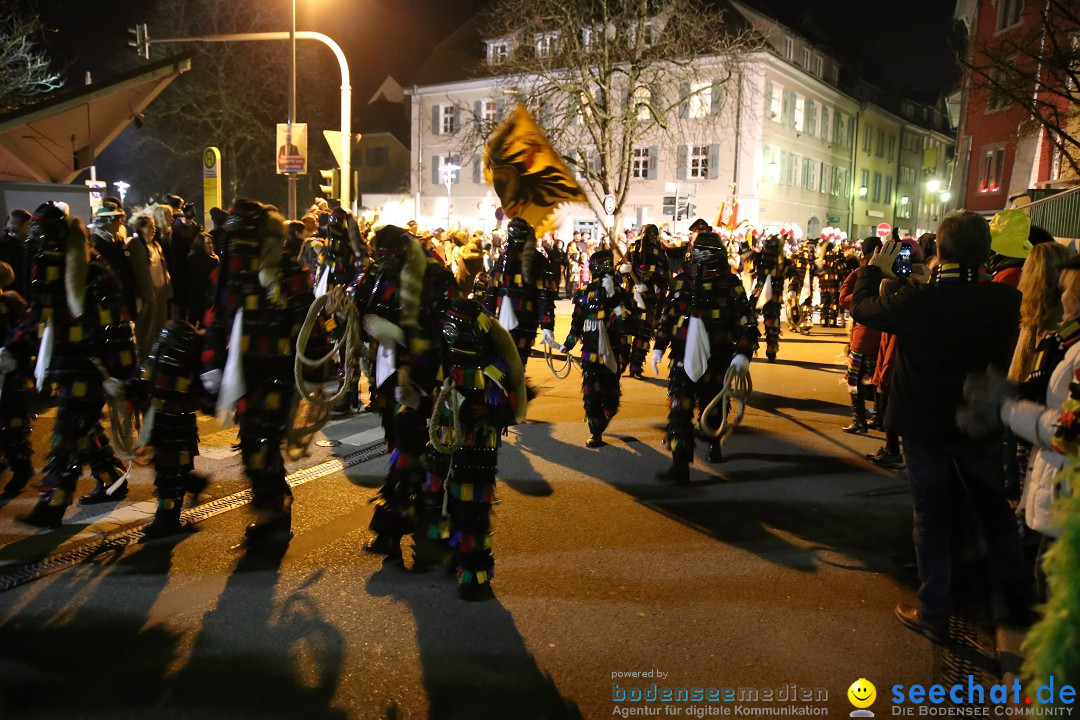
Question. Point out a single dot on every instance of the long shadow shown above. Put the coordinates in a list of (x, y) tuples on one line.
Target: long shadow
[(474, 662), (80, 646), (246, 659), (829, 367), (860, 528), (837, 339), (770, 402)]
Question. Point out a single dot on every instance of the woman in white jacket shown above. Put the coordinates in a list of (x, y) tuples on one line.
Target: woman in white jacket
[(1057, 361)]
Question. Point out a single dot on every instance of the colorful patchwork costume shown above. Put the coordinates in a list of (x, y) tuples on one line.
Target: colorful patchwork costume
[(522, 288), (649, 263), (769, 269)]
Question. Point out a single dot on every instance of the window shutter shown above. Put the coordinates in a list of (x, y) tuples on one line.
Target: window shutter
[(455, 159), (811, 118), (436, 165), (478, 169), (455, 118), (654, 162), (783, 180), (768, 99), (680, 163), (435, 129), (716, 99), (478, 109), (500, 105), (684, 106), (714, 162), (787, 116)]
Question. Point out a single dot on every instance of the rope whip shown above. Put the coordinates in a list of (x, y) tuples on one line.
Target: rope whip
[(449, 396), (736, 391), (334, 301), (549, 358)]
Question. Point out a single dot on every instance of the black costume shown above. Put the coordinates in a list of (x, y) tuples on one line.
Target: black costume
[(76, 307), (649, 264), (769, 270), (262, 299), (708, 321), (523, 275), (481, 369), (16, 385), (800, 273), (832, 271), (599, 308)]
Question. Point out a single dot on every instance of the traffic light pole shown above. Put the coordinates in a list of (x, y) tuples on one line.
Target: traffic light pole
[(346, 88)]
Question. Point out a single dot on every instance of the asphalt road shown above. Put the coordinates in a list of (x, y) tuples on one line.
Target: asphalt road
[(772, 568)]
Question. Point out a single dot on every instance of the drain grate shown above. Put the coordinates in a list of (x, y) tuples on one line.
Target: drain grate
[(970, 651), (16, 575)]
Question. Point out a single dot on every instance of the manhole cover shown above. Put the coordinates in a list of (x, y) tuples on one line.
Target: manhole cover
[(327, 443)]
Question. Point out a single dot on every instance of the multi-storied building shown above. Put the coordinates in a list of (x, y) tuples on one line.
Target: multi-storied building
[(795, 147)]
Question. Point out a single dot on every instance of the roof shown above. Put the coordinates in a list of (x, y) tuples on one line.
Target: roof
[(384, 116), (57, 138)]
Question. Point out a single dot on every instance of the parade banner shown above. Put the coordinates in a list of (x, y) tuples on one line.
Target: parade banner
[(527, 174)]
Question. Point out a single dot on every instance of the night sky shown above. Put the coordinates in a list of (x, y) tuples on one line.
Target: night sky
[(906, 41)]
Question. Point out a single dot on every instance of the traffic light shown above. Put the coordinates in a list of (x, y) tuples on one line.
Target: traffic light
[(685, 209), (140, 40), (332, 191), (669, 204)]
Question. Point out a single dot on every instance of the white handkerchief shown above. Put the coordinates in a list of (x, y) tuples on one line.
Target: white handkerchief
[(766, 294), (44, 355), (232, 379), (324, 278), (385, 363), (697, 352), (603, 346), (507, 316)]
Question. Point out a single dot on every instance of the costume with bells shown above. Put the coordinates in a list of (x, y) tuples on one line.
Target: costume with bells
[(649, 265), (709, 326), (483, 392), (800, 273), (403, 307), (832, 272), (16, 384), (79, 315), (262, 298), (523, 288), (599, 312), (770, 267)]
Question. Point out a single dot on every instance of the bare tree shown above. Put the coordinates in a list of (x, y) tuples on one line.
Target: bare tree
[(606, 77), (1035, 67), (25, 69)]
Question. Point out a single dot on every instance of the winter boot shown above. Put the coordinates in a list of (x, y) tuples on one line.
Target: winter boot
[(49, 512), (858, 415), (166, 519), (715, 453), (272, 524), (678, 473)]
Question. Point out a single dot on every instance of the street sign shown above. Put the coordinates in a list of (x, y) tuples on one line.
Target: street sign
[(211, 168), (883, 230), (500, 214), (97, 193), (671, 187), (609, 204), (292, 151), (333, 139)]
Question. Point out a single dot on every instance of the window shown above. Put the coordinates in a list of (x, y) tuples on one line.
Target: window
[(840, 129), (642, 162), (806, 57), (448, 123), (811, 118), (891, 147), (875, 193), (377, 156), (867, 138), (991, 170), (880, 148), (904, 209), (823, 187), (699, 161), (810, 174), (489, 111), (547, 44), (699, 99), (826, 127), (794, 166), (832, 74), (907, 175), (864, 184), (444, 162), (773, 161), (839, 178), (776, 103), (818, 65), (996, 97), (1009, 13), (788, 47), (888, 189), (799, 116), (909, 142), (498, 50), (642, 101)]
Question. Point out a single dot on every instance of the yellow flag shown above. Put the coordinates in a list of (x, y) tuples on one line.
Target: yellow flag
[(527, 174)]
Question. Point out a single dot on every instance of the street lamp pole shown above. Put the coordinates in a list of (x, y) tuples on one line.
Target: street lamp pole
[(292, 108), (448, 179)]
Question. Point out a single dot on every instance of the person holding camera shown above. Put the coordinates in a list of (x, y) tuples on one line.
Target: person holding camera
[(956, 325)]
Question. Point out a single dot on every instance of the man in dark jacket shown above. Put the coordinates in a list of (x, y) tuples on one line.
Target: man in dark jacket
[(954, 326)]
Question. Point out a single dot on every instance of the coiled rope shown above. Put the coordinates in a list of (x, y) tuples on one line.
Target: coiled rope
[(736, 391), (335, 301), (549, 358), (123, 425), (449, 396)]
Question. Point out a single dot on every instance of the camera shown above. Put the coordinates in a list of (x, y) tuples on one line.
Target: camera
[(902, 264)]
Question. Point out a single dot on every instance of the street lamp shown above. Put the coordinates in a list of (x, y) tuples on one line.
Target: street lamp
[(933, 185), (945, 196), (448, 180), (121, 187)]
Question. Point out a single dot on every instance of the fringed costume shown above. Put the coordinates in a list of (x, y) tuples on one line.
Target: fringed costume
[(16, 385), (769, 270), (481, 370), (707, 325), (649, 264), (78, 315), (832, 272), (800, 274), (523, 288)]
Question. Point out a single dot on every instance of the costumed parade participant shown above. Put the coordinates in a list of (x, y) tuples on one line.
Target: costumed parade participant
[(599, 309), (649, 264), (77, 307), (800, 274), (483, 393), (522, 289), (403, 308), (16, 384), (262, 298), (169, 392), (769, 269), (709, 326), (832, 272)]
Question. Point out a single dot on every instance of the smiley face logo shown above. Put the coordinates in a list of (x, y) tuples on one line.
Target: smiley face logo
[(862, 693)]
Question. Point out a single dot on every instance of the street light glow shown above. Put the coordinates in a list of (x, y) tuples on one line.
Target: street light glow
[(121, 187), (946, 196), (933, 185)]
